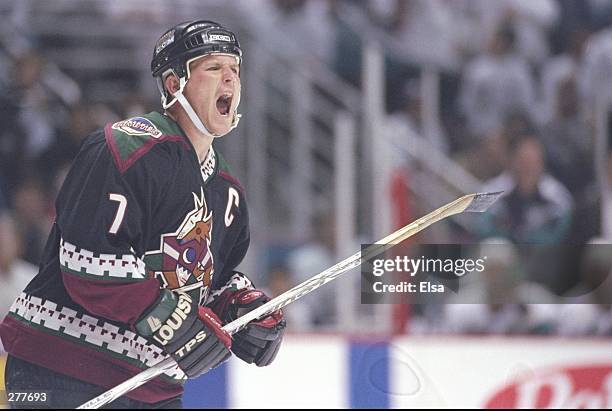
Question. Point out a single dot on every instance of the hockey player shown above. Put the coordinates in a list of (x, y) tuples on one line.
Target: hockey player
[(140, 264)]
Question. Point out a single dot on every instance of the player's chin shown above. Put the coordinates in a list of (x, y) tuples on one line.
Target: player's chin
[(220, 124), (220, 128)]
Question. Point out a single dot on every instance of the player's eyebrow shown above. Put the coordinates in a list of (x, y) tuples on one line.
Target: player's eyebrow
[(216, 61)]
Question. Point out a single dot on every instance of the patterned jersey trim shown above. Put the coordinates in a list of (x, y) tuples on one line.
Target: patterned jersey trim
[(89, 331), (86, 263), (237, 282), (209, 165)]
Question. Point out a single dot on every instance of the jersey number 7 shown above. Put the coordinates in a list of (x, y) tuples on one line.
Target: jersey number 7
[(120, 214)]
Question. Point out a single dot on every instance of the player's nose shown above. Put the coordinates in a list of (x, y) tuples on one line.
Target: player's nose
[(228, 74)]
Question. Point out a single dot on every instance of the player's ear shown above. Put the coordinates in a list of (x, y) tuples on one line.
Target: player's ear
[(171, 83)]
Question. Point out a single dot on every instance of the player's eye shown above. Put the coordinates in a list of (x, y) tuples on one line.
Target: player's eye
[(212, 68)]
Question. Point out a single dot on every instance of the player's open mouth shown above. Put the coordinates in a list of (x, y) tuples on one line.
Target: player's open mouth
[(224, 103)]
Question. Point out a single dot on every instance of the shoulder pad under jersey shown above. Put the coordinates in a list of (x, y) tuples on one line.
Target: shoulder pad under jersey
[(130, 139)]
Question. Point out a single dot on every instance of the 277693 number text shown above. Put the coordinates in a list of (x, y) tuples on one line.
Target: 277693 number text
[(27, 397)]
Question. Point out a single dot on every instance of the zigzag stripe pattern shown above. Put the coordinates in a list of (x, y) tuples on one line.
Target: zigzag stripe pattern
[(126, 266), (238, 281), (208, 165), (90, 331)]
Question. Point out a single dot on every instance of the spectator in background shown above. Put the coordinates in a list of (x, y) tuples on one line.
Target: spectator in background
[(3, 202), (298, 312), (309, 22), (32, 215), (35, 114), (133, 105), (558, 69), (279, 281), (535, 208), (531, 20), (66, 143), (495, 85), (574, 16), (597, 73), (516, 125), (424, 30), (15, 273), (13, 141), (311, 258), (588, 308), (591, 219), (422, 34), (409, 120), (601, 13), (488, 158), (29, 112), (568, 141), (500, 300), (607, 223)]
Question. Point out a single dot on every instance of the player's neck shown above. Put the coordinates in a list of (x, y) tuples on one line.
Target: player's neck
[(200, 141)]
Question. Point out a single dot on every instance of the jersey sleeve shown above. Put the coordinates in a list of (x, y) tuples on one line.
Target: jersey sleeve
[(105, 217)]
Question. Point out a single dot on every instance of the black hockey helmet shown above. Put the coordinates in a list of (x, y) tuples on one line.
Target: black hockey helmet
[(191, 39), (186, 41)]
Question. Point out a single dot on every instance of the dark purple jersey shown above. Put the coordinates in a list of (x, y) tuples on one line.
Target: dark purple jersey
[(137, 212)]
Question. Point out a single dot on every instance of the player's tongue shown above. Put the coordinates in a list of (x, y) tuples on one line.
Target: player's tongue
[(224, 103)]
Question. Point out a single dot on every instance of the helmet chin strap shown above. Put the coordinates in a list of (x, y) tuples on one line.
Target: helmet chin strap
[(190, 111)]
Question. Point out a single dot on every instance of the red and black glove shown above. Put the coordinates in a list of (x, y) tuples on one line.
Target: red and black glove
[(191, 334), (260, 341)]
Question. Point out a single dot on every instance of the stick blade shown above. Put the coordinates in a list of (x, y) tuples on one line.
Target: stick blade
[(482, 201)]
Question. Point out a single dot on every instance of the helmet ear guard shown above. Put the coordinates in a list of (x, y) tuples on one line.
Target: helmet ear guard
[(167, 99), (180, 46)]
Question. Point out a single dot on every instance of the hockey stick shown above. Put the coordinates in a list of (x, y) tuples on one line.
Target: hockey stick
[(468, 203)]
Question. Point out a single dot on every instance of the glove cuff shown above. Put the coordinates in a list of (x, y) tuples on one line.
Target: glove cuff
[(157, 314)]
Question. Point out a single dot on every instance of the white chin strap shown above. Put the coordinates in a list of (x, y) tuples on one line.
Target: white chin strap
[(190, 111), (178, 96)]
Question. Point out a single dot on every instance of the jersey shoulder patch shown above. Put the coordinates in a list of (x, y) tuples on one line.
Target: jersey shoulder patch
[(130, 139)]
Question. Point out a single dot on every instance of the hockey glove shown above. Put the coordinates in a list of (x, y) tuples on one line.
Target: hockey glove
[(260, 341), (191, 334)]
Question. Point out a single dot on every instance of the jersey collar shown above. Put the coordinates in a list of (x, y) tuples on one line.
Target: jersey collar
[(209, 166)]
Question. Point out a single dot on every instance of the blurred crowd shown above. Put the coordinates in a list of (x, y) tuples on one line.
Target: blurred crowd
[(520, 85), (520, 81)]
